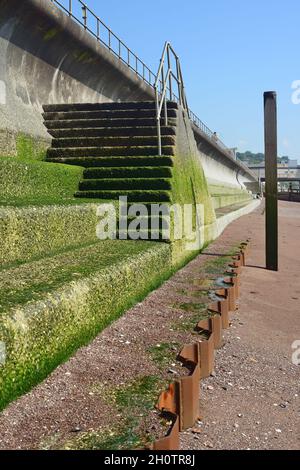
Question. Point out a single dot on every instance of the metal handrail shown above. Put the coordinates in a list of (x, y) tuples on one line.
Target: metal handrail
[(164, 84), (108, 38), (115, 45)]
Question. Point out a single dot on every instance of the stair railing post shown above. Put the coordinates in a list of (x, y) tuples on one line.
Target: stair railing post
[(158, 117), (179, 81), (158, 123), (98, 29), (163, 78), (170, 78), (84, 15)]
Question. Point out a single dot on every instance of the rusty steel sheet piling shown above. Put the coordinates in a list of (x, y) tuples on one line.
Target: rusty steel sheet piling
[(221, 307), (213, 325), (189, 387), (207, 356), (181, 400), (230, 283), (171, 441)]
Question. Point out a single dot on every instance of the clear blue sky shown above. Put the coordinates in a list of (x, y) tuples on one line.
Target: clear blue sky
[(231, 52)]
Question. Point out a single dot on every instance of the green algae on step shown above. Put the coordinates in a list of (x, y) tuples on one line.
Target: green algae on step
[(108, 151), (132, 195), (96, 131), (111, 141), (31, 281), (105, 123), (113, 184), (53, 306), (22, 179), (125, 105), (117, 161), (128, 172)]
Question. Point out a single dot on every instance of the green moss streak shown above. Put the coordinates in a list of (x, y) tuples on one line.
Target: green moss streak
[(220, 262), (122, 438), (29, 148), (194, 313), (133, 401), (164, 354), (50, 34), (25, 182)]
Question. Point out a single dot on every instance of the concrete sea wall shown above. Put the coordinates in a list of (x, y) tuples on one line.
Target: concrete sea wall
[(46, 57)]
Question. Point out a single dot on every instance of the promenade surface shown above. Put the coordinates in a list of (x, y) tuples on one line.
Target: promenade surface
[(253, 400)]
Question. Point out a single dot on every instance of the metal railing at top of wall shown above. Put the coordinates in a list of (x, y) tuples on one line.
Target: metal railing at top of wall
[(114, 44), (95, 26)]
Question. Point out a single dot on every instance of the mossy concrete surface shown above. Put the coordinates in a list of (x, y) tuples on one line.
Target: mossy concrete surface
[(21, 145), (34, 231), (31, 148), (227, 195), (28, 182), (224, 200), (189, 183), (51, 307)]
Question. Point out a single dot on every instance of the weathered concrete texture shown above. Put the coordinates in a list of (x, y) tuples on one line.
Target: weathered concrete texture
[(45, 57), (222, 168), (213, 231), (55, 228), (226, 197), (8, 142)]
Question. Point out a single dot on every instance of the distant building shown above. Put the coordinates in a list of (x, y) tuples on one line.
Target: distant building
[(293, 164), (287, 170)]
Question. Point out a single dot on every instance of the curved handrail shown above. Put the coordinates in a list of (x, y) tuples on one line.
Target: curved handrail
[(164, 84)]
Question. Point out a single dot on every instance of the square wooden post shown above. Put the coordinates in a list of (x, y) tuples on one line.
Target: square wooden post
[(270, 109)]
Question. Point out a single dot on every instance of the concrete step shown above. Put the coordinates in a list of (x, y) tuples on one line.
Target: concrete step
[(52, 306), (116, 161), (102, 123), (115, 141), (128, 172), (106, 114), (133, 196), (150, 235), (105, 106), (107, 151), (111, 131), (148, 205), (161, 221), (125, 184)]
